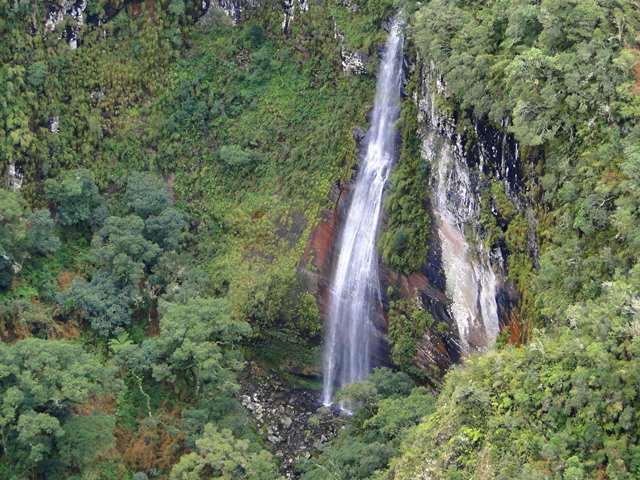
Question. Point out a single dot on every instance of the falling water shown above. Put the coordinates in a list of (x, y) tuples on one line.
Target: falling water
[(470, 283), (355, 300)]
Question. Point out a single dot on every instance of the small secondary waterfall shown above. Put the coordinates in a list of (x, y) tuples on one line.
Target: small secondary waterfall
[(354, 300), (470, 283)]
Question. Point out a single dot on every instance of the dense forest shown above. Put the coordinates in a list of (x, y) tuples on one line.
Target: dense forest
[(174, 174)]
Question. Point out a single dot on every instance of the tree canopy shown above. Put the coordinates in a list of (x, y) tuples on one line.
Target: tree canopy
[(41, 383)]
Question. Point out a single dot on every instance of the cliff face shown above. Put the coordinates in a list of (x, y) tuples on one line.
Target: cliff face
[(464, 282)]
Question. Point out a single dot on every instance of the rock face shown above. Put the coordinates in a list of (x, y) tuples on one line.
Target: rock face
[(234, 9), (465, 164), (289, 10), (231, 8), (289, 417), (57, 13), (494, 156), (354, 62), (321, 248), (14, 177)]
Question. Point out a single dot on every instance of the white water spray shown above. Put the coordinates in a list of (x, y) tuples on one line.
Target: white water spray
[(355, 308)]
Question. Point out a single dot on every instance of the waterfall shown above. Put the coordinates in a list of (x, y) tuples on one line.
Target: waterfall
[(355, 306), (470, 282)]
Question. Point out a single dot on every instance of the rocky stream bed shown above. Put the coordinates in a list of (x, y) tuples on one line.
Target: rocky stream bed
[(289, 416)]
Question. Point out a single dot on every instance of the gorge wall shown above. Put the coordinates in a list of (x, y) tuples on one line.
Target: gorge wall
[(479, 156)]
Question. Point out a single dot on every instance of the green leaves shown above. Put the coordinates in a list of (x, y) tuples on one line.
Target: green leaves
[(122, 251), (564, 403), (120, 343), (23, 234), (404, 243), (220, 456), (125, 252), (12, 236), (40, 382), (196, 350), (148, 197), (41, 236), (74, 194), (385, 407)]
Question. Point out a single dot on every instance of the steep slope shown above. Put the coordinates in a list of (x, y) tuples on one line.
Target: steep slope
[(562, 77)]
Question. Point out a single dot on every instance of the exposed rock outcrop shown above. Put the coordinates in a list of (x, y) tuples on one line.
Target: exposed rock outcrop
[(234, 9), (57, 12), (466, 163), (14, 177), (289, 10), (355, 62)]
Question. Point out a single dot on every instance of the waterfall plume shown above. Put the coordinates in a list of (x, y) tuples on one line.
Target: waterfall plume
[(354, 313)]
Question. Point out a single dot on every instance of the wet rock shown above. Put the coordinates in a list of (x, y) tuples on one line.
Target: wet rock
[(358, 134)]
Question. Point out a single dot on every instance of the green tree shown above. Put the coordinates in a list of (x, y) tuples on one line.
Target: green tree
[(148, 197), (146, 194), (86, 438), (40, 234), (386, 406), (124, 259), (40, 383), (74, 195), (104, 304), (12, 236), (195, 352), (220, 456), (121, 250), (567, 404)]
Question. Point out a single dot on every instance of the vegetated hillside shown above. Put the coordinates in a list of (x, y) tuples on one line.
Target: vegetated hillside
[(563, 76), (565, 405), (174, 166)]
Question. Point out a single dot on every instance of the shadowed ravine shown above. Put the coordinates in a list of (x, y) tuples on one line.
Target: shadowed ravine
[(354, 313)]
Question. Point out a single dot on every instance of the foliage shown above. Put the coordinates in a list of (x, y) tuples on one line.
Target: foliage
[(41, 382), (359, 21), (407, 325), (563, 76), (195, 352), (106, 306), (247, 130), (74, 195), (12, 235), (404, 243), (88, 437), (257, 128), (125, 251), (148, 197), (387, 407), (25, 236), (154, 446), (41, 236), (564, 407), (220, 456)]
